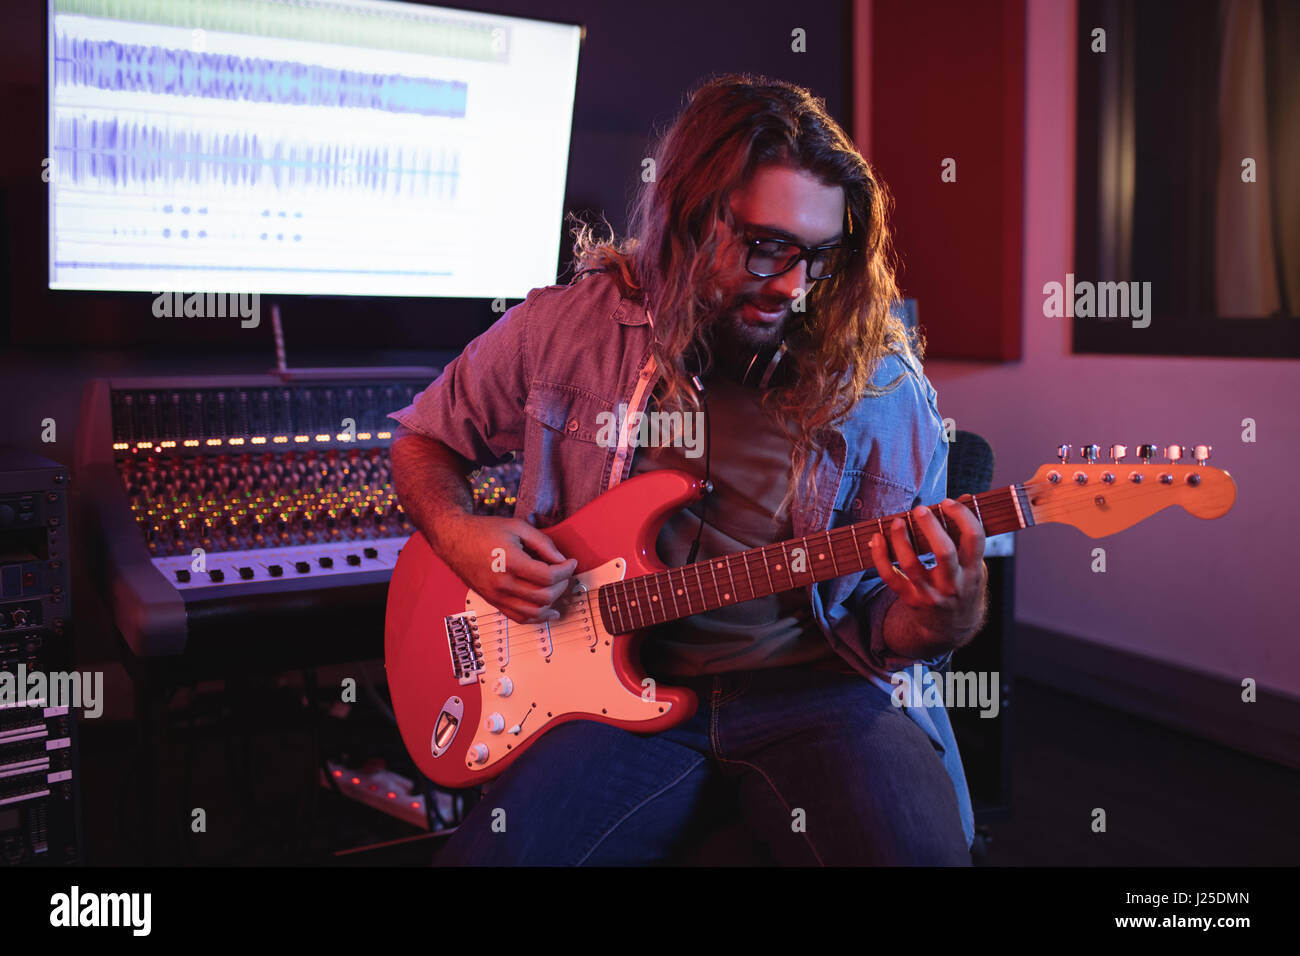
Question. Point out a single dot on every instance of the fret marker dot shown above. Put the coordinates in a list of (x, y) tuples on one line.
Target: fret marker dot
[(634, 603), (654, 597), (778, 567), (726, 597), (821, 557), (679, 590)]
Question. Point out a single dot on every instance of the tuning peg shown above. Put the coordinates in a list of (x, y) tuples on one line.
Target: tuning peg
[(1146, 453), (1202, 454), (1118, 453), (1173, 452), (1063, 453), (1090, 452)]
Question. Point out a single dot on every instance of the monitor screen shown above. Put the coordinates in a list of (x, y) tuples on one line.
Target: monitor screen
[(337, 147)]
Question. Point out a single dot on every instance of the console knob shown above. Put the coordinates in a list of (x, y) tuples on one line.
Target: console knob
[(494, 724), (503, 687)]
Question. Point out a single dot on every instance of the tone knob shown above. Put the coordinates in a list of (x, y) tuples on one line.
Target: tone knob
[(503, 687), (494, 724), (478, 753)]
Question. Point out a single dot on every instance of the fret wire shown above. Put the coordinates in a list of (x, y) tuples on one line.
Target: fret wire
[(853, 532), (617, 602), (627, 608), (717, 591), (636, 605), (686, 590), (677, 611), (730, 577), (912, 529), (768, 568), (703, 598), (786, 558), (830, 545), (659, 591), (753, 593), (646, 609)]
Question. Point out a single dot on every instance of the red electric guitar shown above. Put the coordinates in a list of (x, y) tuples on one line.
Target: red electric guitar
[(472, 689)]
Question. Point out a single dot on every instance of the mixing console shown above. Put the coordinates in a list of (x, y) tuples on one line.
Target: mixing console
[(214, 496)]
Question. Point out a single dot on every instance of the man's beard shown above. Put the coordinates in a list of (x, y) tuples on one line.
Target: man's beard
[(735, 340)]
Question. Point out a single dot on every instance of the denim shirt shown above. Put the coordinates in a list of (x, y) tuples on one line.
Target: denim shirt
[(540, 378)]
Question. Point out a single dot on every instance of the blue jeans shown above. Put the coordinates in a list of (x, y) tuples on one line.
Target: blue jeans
[(825, 769)]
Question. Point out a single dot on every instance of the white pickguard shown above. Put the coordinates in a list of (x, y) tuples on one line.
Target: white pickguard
[(562, 667)]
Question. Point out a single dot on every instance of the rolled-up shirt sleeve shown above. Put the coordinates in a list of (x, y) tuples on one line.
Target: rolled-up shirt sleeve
[(872, 598), (476, 406)]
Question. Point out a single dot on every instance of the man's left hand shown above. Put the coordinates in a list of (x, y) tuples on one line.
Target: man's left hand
[(947, 602)]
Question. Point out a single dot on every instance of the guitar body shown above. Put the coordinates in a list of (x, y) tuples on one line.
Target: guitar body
[(472, 690)]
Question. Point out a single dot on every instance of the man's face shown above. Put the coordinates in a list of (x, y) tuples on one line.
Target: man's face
[(777, 203)]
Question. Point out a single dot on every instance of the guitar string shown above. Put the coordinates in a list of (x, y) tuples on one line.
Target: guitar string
[(842, 545), (841, 538), (1001, 508)]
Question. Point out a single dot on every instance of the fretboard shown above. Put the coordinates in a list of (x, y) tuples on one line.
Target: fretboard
[(651, 599)]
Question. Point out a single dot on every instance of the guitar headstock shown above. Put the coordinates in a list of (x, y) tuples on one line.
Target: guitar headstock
[(1102, 498)]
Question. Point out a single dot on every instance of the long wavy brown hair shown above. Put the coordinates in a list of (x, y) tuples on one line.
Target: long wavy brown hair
[(733, 124)]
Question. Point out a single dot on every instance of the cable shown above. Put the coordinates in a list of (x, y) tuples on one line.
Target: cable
[(708, 453)]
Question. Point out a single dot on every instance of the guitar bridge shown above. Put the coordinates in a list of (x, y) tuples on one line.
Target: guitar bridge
[(462, 640)]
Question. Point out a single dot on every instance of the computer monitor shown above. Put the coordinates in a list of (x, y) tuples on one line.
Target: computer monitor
[(330, 148)]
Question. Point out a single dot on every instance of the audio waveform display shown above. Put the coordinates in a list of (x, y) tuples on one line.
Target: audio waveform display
[(137, 68), (431, 31), (305, 147), (129, 155)]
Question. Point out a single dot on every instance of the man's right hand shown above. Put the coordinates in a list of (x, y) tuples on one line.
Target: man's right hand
[(535, 576)]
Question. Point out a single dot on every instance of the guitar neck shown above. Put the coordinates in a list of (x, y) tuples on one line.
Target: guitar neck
[(652, 599)]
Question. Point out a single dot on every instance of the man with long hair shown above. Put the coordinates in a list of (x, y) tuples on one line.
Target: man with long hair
[(754, 295)]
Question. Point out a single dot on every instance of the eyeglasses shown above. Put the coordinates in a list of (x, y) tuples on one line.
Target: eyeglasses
[(767, 258)]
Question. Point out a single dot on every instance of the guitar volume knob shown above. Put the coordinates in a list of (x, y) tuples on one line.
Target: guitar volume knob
[(503, 687), (478, 754), (494, 724)]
